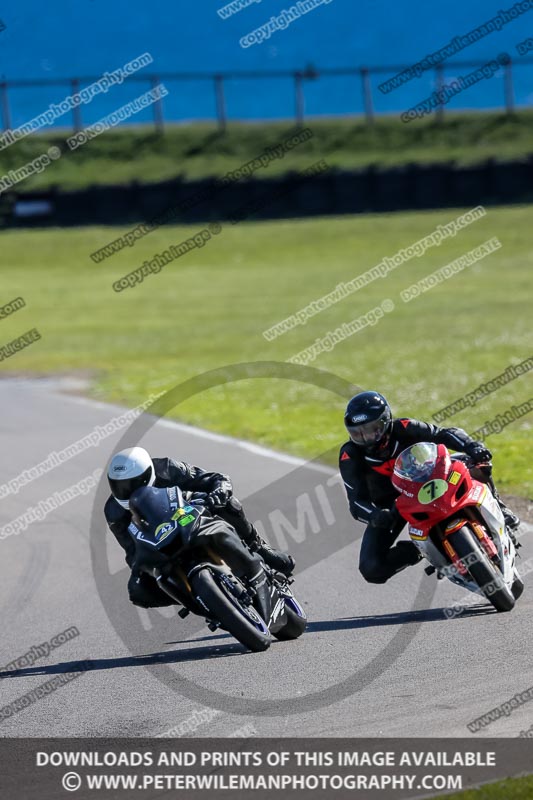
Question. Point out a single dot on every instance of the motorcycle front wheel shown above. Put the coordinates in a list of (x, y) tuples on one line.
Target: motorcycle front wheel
[(243, 622), (481, 569)]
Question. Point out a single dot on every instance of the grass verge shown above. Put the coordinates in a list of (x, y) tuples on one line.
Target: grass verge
[(210, 307), (199, 150), (511, 789)]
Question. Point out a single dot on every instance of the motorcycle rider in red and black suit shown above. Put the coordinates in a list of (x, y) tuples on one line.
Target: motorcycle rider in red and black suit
[(366, 463)]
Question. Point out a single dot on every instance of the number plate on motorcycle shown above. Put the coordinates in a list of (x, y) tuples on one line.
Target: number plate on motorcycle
[(431, 490), (164, 530)]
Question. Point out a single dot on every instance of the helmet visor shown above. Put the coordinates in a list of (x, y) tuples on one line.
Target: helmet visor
[(123, 489), (369, 433)]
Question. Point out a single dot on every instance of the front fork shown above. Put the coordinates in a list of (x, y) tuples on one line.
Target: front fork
[(481, 534)]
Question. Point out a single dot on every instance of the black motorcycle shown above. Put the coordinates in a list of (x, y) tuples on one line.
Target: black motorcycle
[(165, 526)]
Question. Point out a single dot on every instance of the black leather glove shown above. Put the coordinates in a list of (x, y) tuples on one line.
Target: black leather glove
[(220, 496), (478, 453), (383, 518)]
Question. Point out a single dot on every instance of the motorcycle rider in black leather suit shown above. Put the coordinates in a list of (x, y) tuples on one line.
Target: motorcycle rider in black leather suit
[(130, 469), (366, 463)]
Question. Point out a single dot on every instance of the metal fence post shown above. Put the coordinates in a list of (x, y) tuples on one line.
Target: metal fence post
[(309, 72), (220, 102), (159, 119), (299, 98), (367, 95), (6, 115), (76, 111), (508, 87)]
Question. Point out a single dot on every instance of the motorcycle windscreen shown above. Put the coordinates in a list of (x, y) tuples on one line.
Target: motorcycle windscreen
[(162, 515), (417, 462)]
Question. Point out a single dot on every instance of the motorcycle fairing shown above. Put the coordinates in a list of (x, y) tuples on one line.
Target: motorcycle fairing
[(453, 497), (162, 515)]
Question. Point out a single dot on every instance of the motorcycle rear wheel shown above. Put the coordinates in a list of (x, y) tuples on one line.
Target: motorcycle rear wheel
[(232, 615), (482, 571), (295, 625), (518, 586)]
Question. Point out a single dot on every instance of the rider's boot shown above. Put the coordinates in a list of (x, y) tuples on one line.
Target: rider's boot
[(233, 512), (275, 559), (512, 521)]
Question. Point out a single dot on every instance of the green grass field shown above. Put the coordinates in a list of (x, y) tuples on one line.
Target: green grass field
[(210, 307), (199, 150), (513, 789)]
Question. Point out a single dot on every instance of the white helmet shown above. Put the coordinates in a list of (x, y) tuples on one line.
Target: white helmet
[(129, 470)]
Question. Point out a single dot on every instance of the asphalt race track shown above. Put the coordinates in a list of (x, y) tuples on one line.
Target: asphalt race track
[(375, 660)]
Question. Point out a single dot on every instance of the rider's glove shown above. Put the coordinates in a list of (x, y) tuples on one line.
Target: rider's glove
[(220, 496), (478, 452), (382, 518)]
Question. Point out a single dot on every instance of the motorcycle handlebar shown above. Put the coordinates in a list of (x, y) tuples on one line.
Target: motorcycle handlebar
[(206, 499), (469, 461)]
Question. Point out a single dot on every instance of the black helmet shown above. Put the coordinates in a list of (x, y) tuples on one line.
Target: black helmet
[(368, 418)]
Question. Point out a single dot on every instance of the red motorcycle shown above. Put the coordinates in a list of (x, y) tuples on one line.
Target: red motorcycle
[(456, 523)]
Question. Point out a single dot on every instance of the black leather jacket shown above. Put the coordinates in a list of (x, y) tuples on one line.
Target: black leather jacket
[(167, 473), (367, 473)]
